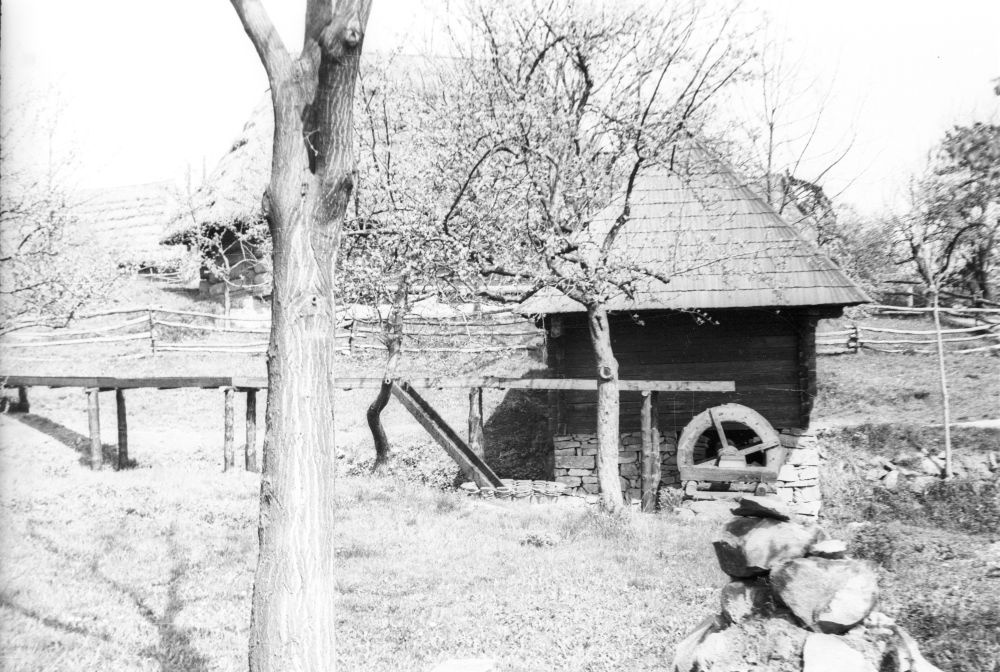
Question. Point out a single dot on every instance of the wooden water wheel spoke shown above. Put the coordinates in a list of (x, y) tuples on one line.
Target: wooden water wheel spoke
[(718, 429), (749, 450), (730, 462)]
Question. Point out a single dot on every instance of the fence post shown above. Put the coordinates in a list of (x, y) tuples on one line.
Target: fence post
[(152, 326), (94, 420), (250, 451), (228, 457), (854, 340), (122, 429)]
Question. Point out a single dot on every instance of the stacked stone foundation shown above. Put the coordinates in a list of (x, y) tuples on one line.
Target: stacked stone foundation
[(576, 463), (576, 466)]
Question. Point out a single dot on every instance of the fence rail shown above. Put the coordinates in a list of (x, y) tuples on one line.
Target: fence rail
[(168, 330), (860, 337)]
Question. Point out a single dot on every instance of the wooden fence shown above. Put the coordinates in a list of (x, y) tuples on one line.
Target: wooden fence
[(164, 330), (161, 330), (982, 337)]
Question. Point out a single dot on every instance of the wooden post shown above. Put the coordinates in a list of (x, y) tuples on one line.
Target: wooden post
[(650, 450), (94, 419), (944, 387), (122, 430), (476, 421), (250, 452), (21, 405), (228, 456), (152, 330)]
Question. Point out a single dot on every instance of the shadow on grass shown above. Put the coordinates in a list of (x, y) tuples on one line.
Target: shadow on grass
[(71, 439), (515, 434), (174, 652)]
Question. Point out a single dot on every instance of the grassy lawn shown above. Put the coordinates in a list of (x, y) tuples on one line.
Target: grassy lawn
[(151, 568)]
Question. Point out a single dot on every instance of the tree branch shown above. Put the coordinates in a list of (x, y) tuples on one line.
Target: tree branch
[(265, 38)]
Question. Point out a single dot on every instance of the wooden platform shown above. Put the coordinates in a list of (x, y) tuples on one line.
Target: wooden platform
[(259, 383)]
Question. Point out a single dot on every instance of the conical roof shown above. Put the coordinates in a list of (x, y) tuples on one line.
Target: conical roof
[(722, 246)]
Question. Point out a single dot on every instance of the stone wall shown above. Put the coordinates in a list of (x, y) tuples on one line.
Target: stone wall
[(576, 466), (576, 463)]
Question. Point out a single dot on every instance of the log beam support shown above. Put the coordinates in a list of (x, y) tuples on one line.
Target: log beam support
[(228, 455), (650, 450), (94, 421), (122, 430), (250, 450), (476, 421)]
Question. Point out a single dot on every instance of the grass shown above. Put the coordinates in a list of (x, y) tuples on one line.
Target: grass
[(935, 550), (151, 568)]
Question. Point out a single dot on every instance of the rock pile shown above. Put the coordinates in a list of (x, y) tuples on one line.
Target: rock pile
[(916, 470), (796, 602)]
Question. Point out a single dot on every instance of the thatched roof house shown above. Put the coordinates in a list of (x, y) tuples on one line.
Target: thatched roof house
[(128, 221), (231, 195)]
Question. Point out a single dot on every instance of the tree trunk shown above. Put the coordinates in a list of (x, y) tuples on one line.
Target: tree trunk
[(608, 404), (394, 344), (292, 620)]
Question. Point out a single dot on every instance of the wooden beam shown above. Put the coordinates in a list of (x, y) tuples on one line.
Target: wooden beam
[(250, 451), (23, 405), (650, 450), (122, 430), (445, 436), (228, 457), (718, 475), (94, 420), (246, 382), (476, 421)]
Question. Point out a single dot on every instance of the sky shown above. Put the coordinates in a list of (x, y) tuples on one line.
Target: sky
[(147, 90)]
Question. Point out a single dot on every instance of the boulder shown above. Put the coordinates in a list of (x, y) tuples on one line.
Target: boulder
[(829, 596), (708, 508), (753, 506), (830, 653), (742, 599), (686, 653), (771, 644), (753, 546), (833, 549)]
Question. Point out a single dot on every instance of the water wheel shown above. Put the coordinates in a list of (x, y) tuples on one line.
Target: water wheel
[(736, 432)]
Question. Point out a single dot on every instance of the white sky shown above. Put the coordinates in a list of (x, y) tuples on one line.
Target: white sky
[(148, 88)]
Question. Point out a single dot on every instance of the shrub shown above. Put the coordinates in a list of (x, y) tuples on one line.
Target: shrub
[(421, 463)]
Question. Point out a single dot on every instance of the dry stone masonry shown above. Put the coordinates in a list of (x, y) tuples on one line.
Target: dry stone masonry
[(795, 603), (576, 463), (797, 485)]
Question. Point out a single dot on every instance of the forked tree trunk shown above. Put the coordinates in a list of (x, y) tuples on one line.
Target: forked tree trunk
[(608, 404), (292, 619), (394, 345)]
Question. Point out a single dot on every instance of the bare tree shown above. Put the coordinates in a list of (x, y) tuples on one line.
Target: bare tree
[(586, 100), (46, 272), (421, 199), (312, 178)]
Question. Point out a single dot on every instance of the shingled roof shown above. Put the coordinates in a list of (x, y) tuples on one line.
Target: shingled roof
[(722, 245)]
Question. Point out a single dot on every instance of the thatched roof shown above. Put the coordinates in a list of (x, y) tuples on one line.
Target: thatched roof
[(231, 195), (128, 220), (699, 222)]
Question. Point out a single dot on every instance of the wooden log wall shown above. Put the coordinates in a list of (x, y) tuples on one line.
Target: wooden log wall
[(770, 354)]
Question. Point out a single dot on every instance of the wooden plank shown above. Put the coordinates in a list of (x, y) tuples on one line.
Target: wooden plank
[(445, 436), (650, 451), (49, 381), (476, 421), (717, 475), (228, 456), (250, 450), (94, 422), (122, 430)]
